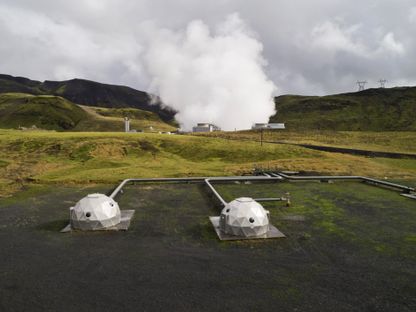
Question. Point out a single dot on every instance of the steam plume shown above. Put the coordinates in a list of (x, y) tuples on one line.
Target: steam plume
[(213, 76)]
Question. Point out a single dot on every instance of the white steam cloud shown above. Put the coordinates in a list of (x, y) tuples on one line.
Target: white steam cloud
[(211, 76)]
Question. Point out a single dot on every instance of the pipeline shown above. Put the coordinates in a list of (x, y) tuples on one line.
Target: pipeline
[(270, 176), (403, 188), (253, 178), (205, 180)]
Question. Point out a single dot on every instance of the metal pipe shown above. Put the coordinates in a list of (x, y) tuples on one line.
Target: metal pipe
[(270, 199), (214, 191), (276, 177), (359, 178), (155, 180), (193, 179)]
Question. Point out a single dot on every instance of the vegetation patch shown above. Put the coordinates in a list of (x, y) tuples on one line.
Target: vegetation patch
[(44, 112), (369, 110)]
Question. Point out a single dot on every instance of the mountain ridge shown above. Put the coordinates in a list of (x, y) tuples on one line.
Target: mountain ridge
[(90, 93)]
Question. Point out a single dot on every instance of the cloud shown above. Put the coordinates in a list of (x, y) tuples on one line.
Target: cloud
[(389, 43), (332, 37), (48, 48), (412, 15), (211, 76), (315, 47)]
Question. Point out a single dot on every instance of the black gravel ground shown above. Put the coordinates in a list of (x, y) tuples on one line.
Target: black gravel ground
[(355, 251)]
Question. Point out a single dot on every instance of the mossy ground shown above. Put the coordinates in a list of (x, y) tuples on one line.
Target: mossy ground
[(354, 251)]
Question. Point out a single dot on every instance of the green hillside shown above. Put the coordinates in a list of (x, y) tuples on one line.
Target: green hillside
[(56, 113), (112, 120), (369, 110), (42, 111), (90, 93)]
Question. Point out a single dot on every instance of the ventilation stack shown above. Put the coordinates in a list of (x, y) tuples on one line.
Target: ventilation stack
[(126, 124)]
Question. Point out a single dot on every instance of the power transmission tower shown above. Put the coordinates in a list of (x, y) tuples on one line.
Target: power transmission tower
[(382, 83), (361, 85)]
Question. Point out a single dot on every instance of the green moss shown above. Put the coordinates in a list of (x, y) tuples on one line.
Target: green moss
[(82, 153), (410, 238)]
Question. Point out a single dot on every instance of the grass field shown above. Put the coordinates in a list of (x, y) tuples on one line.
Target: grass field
[(388, 141), (91, 157)]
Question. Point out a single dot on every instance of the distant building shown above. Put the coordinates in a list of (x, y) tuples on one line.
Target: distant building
[(268, 126), (205, 127)]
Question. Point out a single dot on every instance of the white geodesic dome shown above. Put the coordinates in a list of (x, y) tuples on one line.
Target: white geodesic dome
[(244, 217), (94, 212)]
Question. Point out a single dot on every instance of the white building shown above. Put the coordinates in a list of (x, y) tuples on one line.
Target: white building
[(269, 126), (205, 127)]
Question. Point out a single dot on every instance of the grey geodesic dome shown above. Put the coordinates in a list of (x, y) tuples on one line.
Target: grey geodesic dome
[(95, 212), (244, 217)]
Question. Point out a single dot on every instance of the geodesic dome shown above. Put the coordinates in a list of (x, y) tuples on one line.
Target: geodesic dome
[(244, 217), (95, 212)]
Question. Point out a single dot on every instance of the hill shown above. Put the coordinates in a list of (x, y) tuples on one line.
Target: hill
[(56, 113), (90, 93), (391, 109), (43, 111)]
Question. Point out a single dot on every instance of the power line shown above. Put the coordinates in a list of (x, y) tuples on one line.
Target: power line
[(382, 83), (361, 85)]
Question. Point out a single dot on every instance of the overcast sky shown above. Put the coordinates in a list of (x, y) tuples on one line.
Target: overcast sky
[(311, 47)]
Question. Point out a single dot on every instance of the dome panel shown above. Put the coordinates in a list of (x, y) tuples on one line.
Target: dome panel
[(95, 211), (244, 217)]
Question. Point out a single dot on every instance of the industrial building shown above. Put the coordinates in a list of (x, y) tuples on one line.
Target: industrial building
[(205, 127), (269, 126)]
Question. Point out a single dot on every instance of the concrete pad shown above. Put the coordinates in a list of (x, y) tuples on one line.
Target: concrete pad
[(126, 216), (272, 233)]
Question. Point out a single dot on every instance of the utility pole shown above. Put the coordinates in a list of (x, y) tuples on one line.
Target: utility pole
[(261, 136), (382, 83), (361, 85)]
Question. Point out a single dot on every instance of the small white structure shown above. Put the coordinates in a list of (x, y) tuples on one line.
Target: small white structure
[(126, 124), (98, 212), (205, 127), (244, 218), (269, 126)]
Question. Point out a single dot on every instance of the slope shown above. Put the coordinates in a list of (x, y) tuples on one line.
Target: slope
[(90, 93), (43, 111), (56, 113), (370, 110)]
